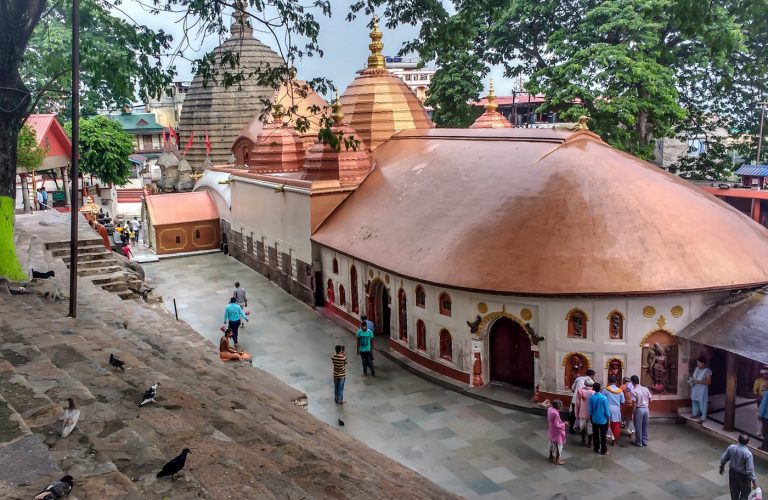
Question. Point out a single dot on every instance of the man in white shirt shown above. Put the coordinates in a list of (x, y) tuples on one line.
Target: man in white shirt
[(577, 385)]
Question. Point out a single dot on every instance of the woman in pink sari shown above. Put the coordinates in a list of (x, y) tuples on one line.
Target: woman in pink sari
[(556, 432)]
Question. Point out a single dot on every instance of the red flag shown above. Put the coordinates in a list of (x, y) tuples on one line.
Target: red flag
[(189, 143), (174, 135), (207, 144)]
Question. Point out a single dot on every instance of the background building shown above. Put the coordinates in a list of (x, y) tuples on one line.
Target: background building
[(417, 79)]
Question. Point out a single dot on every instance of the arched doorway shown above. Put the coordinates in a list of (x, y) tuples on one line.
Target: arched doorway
[(510, 354), (381, 313)]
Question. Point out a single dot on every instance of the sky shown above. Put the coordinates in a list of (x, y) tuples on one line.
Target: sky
[(345, 44)]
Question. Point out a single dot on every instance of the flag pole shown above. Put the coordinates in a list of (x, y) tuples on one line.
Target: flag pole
[(75, 173)]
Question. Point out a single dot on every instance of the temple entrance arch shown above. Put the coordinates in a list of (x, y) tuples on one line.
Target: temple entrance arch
[(379, 307), (510, 355)]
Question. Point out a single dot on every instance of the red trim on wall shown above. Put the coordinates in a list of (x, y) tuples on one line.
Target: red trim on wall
[(429, 364), (342, 313)]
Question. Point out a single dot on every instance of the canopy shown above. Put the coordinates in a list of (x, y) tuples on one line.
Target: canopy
[(739, 325)]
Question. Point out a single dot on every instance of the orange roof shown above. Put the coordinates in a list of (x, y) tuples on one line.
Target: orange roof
[(541, 212), (178, 208), (46, 126)]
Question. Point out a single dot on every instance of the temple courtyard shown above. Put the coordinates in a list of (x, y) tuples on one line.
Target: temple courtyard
[(469, 447)]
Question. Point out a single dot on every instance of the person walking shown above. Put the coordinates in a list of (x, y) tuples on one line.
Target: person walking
[(626, 409), (240, 298), (700, 380), (615, 398), (600, 415), (233, 313), (39, 198), (741, 472), (556, 428), (582, 412), (135, 227), (758, 388), (762, 413), (577, 385), (641, 400), (365, 347), (339, 361)]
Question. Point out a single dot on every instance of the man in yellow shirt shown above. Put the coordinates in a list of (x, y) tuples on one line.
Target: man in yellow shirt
[(758, 388)]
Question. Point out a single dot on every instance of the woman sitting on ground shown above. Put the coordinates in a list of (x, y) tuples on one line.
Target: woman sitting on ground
[(228, 353)]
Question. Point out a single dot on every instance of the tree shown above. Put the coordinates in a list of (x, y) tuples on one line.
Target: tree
[(459, 75), (639, 68), (118, 58), (29, 155), (104, 150)]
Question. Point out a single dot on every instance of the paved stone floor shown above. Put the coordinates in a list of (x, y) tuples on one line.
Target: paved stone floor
[(474, 449)]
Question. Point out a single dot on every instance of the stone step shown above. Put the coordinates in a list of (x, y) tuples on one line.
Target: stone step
[(89, 263), (88, 251), (128, 294), (82, 242), (108, 280), (81, 250), (116, 287), (90, 257), (100, 271)]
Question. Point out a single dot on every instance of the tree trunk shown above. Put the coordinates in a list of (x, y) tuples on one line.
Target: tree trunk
[(25, 193), (18, 19)]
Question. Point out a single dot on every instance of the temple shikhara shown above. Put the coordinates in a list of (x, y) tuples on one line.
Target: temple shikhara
[(491, 254)]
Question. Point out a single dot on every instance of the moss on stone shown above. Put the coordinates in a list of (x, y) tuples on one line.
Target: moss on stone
[(10, 267)]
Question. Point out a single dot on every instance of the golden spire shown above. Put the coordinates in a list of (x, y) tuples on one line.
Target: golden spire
[(491, 106), (337, 114), (376, 60)]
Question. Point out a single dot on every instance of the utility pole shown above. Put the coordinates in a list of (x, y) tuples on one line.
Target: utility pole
[(75, 174), (760, 138)]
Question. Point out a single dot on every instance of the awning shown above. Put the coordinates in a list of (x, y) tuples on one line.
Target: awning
[(738, 324), (753, 170)]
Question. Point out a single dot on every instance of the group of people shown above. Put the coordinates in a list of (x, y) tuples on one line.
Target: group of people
[(42, 198), (598, 414), (339, 358), (234, 315)]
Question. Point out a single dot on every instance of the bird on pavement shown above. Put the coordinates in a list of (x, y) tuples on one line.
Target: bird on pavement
[(116, 362), (71, 416), (174, 466), (341, 422), (57, 489), (149, 395)]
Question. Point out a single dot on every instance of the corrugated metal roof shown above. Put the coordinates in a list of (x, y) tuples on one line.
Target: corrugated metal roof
[(136, 123), (754, 170), (43, 123)]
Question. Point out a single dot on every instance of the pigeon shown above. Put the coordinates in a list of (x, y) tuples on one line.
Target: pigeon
[(116, 362), (58, 489), (149, 395), (71, 415), (174, 466), (341, 422)]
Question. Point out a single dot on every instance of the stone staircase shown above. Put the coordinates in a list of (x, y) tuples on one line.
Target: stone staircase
[(96, 263), (249, 438)]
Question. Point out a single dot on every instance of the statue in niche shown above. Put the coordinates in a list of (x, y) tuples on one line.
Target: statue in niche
[(575, 366), (658, 367), (614, 368), (616, 326), (577, 321)]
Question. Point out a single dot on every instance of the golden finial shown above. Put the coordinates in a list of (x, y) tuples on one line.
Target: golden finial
[(583, 123), (337, 114), (491, 105), (277, 108), (376, 60)]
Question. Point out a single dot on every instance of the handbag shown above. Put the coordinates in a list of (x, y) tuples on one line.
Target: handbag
[(223, 328), (757, 494)]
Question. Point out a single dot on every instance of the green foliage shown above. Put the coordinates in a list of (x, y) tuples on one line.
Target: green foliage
[(716, 163), (104, 150), (459, 75), (29, 155), (641, 69)]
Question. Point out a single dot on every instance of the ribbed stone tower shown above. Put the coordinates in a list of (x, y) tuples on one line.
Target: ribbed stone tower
[(224, 112)]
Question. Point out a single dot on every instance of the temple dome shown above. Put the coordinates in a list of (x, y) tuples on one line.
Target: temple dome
[(541, 212), (377, 104), (491, 118), (278, 148), (223, 112)]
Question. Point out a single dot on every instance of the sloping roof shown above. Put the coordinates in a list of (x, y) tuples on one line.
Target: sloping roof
[(137, 123), (46, 125), (179, 208), (754, 170), (541, 212), (738, 325)]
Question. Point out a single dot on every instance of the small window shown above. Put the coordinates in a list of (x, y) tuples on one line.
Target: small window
[(178, 240), (421, 297), (335, 266), (616, 325), (342, 296), (446, 345), (197, 234), (444, 302), (577, 324), (421, 336)]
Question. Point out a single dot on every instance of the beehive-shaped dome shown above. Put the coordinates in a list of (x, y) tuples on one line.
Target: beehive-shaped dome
[(491, 118), (223, 112), (377, 104), (350, 164), (279, 148)]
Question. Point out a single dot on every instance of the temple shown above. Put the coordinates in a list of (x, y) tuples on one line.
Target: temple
[(488, 255)]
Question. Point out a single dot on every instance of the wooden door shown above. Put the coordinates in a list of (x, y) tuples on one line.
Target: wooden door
[(510, 354)]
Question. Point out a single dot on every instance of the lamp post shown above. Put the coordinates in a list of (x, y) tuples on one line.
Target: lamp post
[(75, 174), (760, 137)]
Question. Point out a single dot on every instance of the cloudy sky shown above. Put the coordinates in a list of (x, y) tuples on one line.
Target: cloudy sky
[(345, 44)]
